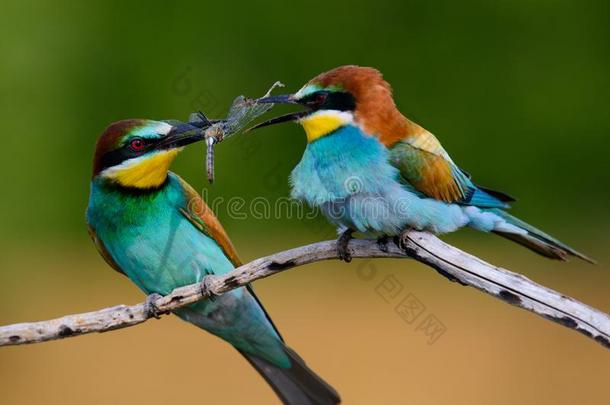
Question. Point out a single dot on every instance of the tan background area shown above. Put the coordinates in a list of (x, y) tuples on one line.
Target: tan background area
[(341, 324)]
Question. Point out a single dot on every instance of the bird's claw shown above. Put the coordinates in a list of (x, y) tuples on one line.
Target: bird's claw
[(150, 308), (342, 246), (206, 288), (399, 240), (382, 244)]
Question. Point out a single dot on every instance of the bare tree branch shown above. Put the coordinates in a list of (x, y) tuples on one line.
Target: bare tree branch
[(449, 261)]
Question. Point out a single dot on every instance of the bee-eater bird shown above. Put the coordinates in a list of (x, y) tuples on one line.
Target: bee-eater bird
[(151, 226), (370, 169)]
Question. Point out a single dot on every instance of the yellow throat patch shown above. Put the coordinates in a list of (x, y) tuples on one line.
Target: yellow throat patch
[(143, 172), (323, 123)]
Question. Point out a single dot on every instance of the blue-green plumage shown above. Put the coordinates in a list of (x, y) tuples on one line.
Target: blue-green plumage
[(370, 169), (153, 227), (356, 183), (409, 161), (348, 175), (159, 249)]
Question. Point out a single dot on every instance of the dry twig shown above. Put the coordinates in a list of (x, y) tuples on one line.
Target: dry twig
[(451, 262)]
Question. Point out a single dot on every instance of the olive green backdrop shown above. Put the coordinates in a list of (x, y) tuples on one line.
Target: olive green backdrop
[(517, 91)]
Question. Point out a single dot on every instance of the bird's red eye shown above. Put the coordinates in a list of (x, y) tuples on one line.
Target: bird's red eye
[(137, 144), (321, 98)]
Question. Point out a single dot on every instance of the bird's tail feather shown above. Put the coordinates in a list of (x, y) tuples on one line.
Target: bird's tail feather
[(297, 385), (537, 240)]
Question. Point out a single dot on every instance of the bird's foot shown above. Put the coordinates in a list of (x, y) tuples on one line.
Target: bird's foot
[(207, 288), (400, 240), (342, 246), (382, 243), (150, 308)]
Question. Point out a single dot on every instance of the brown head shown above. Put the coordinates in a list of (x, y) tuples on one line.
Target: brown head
[(343, 95), (137, 153)]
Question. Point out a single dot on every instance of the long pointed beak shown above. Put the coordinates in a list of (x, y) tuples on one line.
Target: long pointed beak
[(182, 135), (278, 120), (281, 99)]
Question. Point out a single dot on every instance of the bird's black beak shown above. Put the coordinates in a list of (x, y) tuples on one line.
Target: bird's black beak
[(281, 99), (182, 135)]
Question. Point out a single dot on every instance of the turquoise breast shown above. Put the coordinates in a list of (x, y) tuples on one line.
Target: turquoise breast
[(159, 249), (150, 239), (348, 176)]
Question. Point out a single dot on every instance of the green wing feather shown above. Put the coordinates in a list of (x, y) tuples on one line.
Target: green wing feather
[(203, 218), (426, 166), (430, 171)]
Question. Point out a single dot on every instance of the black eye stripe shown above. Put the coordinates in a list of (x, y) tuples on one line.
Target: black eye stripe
[(125, 152), (330, 100)]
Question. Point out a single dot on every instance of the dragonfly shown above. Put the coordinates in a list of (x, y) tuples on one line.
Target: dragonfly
[(243, 111)]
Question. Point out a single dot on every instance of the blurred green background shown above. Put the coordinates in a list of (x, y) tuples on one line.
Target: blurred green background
[(517, 91)]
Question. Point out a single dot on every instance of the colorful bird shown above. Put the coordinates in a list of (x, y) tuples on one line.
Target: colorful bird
[(370, 169), (151, 226)]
